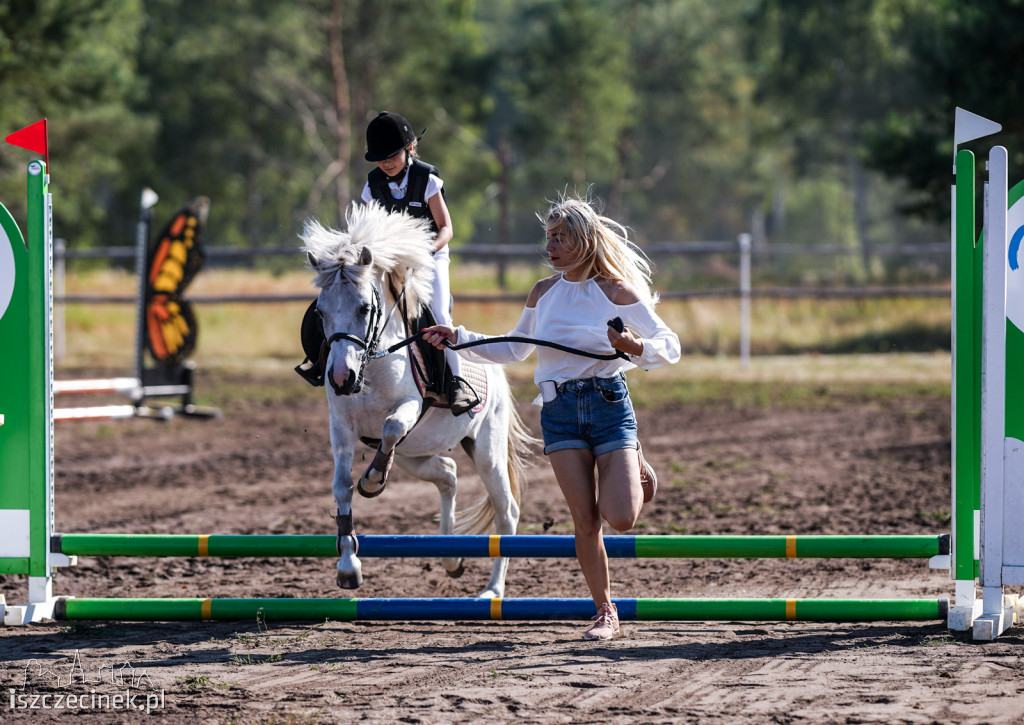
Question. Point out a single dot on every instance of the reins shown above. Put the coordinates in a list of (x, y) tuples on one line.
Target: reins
[(315, 374), (504, 338)]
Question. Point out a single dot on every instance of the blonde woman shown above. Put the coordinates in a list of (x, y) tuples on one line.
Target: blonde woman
[(587, 420)]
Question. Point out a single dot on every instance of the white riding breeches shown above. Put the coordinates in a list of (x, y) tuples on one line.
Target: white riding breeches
[(441, 301)]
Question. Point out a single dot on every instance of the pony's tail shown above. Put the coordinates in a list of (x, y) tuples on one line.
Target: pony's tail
[(479, 518)]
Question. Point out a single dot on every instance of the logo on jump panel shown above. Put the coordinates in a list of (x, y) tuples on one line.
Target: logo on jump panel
[(1014, 273), (7, 272)]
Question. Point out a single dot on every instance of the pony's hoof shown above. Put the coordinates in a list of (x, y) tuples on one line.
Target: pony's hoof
[(366, 493), (349, 580), (379, 466), (458, 570)]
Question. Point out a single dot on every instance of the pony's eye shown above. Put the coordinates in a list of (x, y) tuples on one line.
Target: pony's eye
[(364, 309)]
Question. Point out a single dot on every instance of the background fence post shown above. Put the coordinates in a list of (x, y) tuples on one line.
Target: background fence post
[(147, 200), (745, 244)]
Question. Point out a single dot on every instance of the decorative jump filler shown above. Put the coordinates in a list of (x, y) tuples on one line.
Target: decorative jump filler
[(166, 326), (988, 476)]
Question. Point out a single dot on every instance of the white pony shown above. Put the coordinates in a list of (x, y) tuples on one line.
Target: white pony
[(360, 273)]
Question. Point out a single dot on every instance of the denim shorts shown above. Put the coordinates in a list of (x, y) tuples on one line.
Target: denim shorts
[(590, 413)]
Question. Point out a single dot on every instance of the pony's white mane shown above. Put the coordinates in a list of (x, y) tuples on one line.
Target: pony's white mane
[(399, 243)]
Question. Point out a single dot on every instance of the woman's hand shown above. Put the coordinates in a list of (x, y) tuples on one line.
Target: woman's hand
[(625, 342), (439, 334)]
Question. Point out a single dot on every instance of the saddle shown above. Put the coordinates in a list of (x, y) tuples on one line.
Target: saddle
[(433, 376)]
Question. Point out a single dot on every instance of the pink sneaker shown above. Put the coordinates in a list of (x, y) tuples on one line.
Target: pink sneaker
[(606, 623), (648, 478)]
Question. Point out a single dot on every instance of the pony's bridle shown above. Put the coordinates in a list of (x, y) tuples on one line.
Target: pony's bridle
[(369, 343)]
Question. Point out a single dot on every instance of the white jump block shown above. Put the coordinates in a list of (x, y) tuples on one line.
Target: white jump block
[(966, 608), (990, 625), (23, 614), (41, 603), (961, 619)]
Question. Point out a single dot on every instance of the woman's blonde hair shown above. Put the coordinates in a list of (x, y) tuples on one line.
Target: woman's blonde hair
[(602, 243)]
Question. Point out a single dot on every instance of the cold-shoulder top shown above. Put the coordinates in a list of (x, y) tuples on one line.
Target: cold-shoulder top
[(576, 314)]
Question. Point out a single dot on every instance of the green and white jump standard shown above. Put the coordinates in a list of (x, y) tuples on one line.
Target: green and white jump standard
[(26, 401), (988, 405)]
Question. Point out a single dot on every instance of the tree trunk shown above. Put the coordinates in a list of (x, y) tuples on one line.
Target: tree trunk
[(858, 180), (505, 159)]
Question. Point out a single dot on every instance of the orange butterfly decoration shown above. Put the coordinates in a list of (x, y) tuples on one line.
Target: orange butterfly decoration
[(171, 328)]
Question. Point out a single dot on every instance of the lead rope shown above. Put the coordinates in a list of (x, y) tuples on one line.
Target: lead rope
[(505, 338)]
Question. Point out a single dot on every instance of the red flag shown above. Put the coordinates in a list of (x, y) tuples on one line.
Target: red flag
[(32, 138)]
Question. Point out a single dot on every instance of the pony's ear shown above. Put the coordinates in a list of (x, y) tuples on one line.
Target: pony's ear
[(366, 257), (313, 261)]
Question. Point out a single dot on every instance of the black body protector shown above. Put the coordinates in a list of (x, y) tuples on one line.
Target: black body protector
[(413, 202)]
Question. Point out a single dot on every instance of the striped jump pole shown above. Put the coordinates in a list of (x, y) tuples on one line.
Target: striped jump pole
[(437, 609), (518, 546)]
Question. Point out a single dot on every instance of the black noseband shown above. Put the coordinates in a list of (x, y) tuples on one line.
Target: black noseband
[(354, 383)]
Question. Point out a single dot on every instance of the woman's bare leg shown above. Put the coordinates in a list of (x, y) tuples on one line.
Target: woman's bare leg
[(574, 471), (619, 494)]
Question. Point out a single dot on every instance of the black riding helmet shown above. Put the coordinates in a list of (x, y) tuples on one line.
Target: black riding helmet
[(387, 135)]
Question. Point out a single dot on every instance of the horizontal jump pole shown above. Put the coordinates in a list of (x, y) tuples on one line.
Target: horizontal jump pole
[(518, 546), (127, 386), (430, 609), (95, 412), (105, 412)]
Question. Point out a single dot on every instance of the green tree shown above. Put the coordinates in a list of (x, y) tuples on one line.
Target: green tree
[(209, 79), (831, 71), (961, 54), (430, 63), (72, 62), (697, 161), (565, 102), (263, 104)]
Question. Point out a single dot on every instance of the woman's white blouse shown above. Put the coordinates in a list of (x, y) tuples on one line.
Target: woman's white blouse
[(576, 314)]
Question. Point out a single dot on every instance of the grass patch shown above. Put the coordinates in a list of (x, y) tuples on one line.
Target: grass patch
[(102, 335), (936, 517), (495, 674), (326, 666), (763, 394), (255, 660), (258, 344), (192, 683)]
